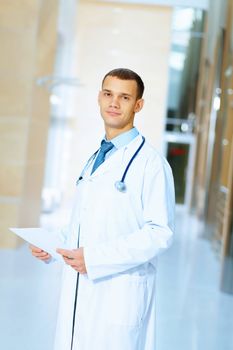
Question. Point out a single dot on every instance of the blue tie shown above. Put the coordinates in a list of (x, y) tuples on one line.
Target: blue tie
[(104, 148)]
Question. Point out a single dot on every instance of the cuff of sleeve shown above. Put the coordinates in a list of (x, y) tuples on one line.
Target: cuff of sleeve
[(87, 253)]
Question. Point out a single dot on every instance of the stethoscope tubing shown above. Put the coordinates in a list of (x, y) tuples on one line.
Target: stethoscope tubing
[(122, 181), (132, 159)]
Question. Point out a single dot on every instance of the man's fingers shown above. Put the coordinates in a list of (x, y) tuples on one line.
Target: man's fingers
[(40, 254), (76, 266), (67, 254), (69, 261), (74, 259), (35, 249), (64, 252), (72, 262), (47, 257)]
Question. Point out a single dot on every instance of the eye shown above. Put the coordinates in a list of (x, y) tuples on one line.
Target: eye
[(107, 94), (125, 98)]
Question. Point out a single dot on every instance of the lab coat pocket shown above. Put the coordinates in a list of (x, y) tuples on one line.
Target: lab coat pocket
[(128, 300)]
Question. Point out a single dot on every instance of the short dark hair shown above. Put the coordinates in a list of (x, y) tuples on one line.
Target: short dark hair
[(127, 74)]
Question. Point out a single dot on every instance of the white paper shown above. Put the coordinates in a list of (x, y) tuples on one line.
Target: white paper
[(41, 238)]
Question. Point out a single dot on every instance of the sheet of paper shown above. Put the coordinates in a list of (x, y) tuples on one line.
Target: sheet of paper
[(47, 240)]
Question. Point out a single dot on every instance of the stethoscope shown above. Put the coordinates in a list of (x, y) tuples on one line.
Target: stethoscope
[(119, 185)]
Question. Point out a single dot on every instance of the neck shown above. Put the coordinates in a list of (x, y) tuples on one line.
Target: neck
[(112, 133)]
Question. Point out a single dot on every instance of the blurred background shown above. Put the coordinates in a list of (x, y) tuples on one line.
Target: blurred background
[(54, 54)]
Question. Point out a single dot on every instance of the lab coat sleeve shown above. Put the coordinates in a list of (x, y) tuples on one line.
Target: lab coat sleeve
[(144, 244)]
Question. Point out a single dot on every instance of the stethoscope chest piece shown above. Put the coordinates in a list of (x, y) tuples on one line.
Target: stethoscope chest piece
[(120, 186)]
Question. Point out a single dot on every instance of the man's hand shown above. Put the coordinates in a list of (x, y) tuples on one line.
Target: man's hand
[(74, 258), (39, 253)]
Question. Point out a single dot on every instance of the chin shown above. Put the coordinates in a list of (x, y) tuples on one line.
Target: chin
[(113, 126), (111, 122)]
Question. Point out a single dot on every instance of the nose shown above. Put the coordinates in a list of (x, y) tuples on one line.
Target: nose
[(114, 102)]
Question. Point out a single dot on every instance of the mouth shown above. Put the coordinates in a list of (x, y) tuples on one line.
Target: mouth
[(113, 113)]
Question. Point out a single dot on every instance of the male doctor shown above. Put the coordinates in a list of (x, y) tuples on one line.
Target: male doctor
[(108, 286)]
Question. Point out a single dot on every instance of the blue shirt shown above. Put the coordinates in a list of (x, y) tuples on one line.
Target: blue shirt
[(122, 140)]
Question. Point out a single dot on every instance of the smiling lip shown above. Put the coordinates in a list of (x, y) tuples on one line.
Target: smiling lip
[(113, 113)]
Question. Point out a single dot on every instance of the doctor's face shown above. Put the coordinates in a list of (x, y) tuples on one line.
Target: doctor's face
[(118, 103)]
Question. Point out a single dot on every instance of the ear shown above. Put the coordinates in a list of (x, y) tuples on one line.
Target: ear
[(138, 105)]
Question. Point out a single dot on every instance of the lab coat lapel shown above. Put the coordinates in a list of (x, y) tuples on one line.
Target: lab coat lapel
[(123, 155)]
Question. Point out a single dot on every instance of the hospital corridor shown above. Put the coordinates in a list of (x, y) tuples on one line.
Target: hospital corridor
[(65, 175)]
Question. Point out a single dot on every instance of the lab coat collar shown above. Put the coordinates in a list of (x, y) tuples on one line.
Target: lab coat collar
[(124, 154)]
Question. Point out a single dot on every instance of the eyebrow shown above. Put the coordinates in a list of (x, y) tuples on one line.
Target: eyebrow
[(121, 93)]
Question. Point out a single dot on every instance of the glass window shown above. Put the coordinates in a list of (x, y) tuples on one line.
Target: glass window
[(187, 35), (178, 156)]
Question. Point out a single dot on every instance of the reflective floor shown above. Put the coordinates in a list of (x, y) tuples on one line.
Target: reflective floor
[(192, 314)]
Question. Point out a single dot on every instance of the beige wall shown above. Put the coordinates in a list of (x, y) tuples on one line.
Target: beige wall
[(113, 35), (27, 36)]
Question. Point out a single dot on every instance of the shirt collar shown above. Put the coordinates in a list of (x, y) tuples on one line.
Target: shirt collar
[(124, 138)]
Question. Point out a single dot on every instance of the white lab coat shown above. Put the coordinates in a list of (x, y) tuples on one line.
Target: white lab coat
[(122, 234)]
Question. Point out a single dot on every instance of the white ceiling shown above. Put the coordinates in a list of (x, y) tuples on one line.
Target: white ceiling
[(203, 4)]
